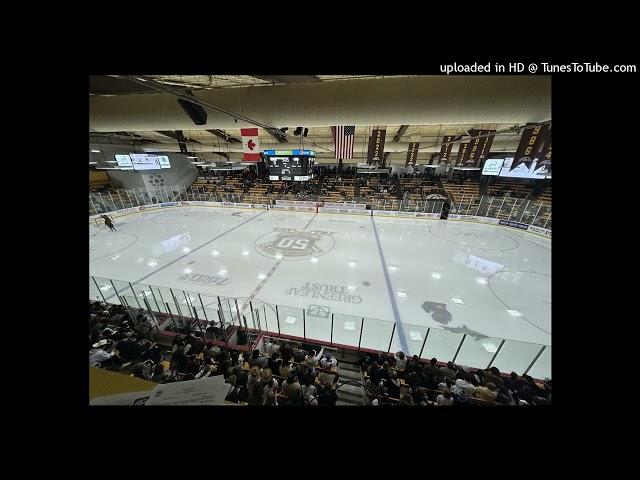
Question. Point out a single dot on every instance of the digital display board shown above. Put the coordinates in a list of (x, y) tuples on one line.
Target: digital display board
[(146, 161), (522, 171), (492, 166), (124, 162), (295, 167), (502, 168)]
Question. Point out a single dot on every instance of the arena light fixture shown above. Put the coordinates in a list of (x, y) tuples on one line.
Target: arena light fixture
[(481, 280), (93, 163), (215, 253), (95, 151), (245, 252), (401, 294), (187, 270)]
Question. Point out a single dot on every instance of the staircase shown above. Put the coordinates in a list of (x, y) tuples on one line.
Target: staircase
[(347, 370)]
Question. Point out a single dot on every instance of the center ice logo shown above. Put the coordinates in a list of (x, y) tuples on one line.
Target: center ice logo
[(291, 244)]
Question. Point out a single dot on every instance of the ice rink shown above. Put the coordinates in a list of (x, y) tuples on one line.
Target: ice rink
[(490, 282)]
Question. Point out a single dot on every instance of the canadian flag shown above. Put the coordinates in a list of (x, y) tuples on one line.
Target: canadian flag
[(250, 144)]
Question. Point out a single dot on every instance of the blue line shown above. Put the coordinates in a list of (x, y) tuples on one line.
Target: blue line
[(192, 251), (392, 296)]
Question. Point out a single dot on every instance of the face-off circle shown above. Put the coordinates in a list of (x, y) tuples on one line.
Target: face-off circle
[(292, 244)]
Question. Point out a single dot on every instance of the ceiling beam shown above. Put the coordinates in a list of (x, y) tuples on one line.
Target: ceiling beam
[(288, 79), (179, 137), (224, 136), (401, 130), (277, 134)]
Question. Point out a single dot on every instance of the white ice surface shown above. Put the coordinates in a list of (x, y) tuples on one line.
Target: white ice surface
[(500, 277)]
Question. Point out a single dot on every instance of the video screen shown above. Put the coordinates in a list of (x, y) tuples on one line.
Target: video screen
[(502, 168)]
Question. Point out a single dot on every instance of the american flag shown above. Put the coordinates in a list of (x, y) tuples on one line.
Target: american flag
[(344, 142)]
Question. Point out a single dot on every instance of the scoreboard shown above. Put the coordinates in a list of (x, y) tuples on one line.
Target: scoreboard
[(294, 165)]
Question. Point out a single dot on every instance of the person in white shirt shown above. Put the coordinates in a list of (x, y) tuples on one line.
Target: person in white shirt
[(401, 361), (328, 362), (271, 347), (99, 353), (308, 390), (311, 360), (445, 398), (462, 387)]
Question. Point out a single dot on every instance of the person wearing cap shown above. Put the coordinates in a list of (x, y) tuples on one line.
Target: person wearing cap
[(328, 362), (488, 393), (99, 353)]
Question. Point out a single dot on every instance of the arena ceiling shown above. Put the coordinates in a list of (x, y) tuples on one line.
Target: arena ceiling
[(125, 112)]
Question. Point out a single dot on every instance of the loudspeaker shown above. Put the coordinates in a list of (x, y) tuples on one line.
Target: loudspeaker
[(196, 112), (306, 130)]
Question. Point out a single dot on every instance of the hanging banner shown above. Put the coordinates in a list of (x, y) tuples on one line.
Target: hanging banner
[(250, 145), (412, 154), (376, 148), (477, 150), (463, 151), (445, 150), (486, 147), (531, 144), (543, 167)]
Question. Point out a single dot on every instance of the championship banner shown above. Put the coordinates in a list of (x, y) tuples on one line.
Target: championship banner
[(445, 150), (477, 148), (544, 157), (531, 144), (463, 152), (486, 147), (412, 154), (376, 148), (250, 145)]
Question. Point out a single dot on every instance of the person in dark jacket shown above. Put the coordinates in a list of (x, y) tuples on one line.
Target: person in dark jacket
[(108, 222), (258, 361), (153, 354)]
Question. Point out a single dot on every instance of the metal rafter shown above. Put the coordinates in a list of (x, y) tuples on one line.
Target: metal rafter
[(227, 138), (401, 130)]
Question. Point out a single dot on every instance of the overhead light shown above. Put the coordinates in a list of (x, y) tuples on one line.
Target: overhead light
[(93, 163), (191, 157), (197, 163), (111, 161), (95, 151)]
